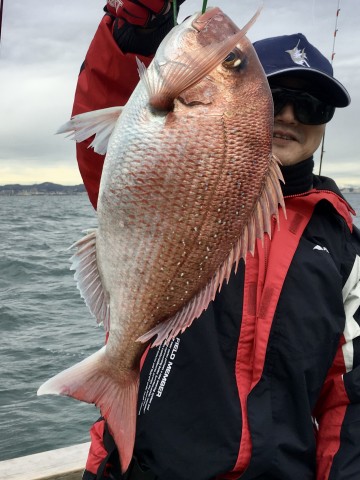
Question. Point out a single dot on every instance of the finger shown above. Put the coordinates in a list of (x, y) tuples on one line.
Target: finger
[(134, 13), (156, 6)]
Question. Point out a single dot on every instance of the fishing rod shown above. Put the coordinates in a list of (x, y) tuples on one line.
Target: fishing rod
[(1, 15), (175, 10), (332, 59)]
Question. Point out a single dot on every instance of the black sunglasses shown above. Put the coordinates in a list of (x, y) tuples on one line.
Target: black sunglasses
[(308, 109)]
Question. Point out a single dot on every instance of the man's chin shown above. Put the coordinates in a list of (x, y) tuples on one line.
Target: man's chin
[(286, 159)]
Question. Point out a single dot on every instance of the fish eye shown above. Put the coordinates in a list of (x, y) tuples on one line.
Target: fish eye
[(234, 60)]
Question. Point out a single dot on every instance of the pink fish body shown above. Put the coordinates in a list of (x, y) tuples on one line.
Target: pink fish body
[(188, 184)]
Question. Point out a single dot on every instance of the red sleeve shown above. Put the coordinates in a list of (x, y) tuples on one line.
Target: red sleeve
[(97, 453), (107, 78), (329, 414)]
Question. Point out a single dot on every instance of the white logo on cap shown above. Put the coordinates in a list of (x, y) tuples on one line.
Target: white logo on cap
[(298, 56)]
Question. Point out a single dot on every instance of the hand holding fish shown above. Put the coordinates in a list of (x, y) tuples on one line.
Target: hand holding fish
[(139, 27), (141, 13)]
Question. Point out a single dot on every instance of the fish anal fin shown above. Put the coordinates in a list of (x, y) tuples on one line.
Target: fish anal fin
[(89, 382), (87, 276), (100, 123)]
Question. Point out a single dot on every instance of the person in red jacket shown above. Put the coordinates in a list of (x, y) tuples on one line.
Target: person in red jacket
[(265, 385)]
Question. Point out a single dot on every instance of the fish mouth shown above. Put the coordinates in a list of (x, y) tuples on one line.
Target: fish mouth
[(202, 21)]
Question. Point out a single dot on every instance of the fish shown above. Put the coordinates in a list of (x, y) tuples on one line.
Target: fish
[(189, 184)]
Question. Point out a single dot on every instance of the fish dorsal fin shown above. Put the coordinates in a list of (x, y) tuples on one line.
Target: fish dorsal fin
[(88, 280), (100, 123), (165, 82), (258, 224)]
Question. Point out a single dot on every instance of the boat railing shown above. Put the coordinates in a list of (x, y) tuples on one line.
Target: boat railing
[(61, 464)]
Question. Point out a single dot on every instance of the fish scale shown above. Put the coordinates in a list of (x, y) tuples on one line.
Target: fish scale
[(191, 230)]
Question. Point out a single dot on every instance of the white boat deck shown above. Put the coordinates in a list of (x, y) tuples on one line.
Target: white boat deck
[(62, 464)]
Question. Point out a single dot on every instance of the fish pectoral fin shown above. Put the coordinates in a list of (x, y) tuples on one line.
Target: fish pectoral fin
[(89, 381), (166, 81), (87, 276), (100, 123)]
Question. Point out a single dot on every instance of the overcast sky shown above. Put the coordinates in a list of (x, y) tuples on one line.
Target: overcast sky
[(44, 43)]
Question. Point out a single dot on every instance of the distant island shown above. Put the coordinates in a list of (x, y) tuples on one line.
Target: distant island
[(349, 189), (46, 188)]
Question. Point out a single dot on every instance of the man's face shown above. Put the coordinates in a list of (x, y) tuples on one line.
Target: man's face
[(293, 141)]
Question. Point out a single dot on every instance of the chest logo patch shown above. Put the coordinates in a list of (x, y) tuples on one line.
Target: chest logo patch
[(319, 247), (160, 371)]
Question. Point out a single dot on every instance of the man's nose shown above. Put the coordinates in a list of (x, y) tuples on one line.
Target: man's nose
[(287, 114)]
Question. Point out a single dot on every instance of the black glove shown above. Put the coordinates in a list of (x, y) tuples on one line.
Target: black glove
[(139, 27)]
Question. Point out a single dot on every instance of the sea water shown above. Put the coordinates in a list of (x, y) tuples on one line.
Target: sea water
[(44, 324)]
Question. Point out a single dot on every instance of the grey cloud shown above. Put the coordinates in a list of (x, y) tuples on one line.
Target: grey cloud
[(44, 44)]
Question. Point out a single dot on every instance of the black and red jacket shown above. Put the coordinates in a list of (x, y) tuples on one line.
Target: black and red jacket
[(265, 385)]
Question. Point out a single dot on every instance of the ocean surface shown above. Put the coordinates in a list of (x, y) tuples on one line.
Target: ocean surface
[(44, 324)]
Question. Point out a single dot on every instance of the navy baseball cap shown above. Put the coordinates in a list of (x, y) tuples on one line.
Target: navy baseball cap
[(294, 56)]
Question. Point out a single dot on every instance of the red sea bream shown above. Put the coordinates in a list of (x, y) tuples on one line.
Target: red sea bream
[(188, 184)]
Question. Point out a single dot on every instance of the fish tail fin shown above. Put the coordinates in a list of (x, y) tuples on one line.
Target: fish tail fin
[(89, 382)]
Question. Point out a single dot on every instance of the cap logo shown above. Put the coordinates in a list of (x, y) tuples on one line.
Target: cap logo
[(298, 56)]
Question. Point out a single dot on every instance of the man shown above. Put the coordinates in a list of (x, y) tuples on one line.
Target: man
[(266, 383)]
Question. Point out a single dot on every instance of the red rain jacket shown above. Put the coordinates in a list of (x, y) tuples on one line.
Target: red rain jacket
[(107, 78)]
